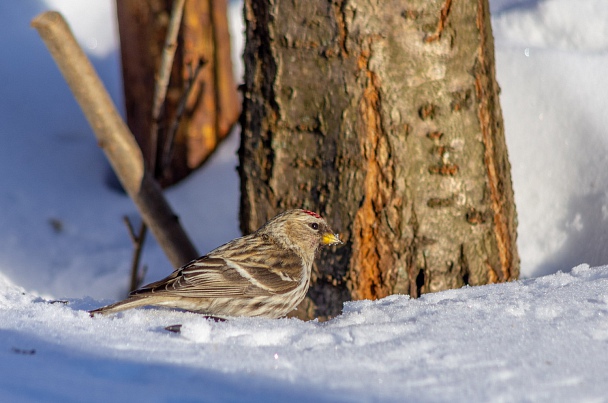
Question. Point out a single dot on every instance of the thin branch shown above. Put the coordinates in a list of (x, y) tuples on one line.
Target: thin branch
[(181, 107), (114, 138), (141, 239), (162, 78), (130, 228), (138, 239)]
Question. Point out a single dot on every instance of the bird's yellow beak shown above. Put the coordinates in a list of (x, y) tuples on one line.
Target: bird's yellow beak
[(331, 239)]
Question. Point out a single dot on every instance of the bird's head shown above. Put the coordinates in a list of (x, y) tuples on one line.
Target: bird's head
[(301, 230)]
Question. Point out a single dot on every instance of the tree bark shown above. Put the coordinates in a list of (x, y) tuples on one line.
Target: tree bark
[(384, 117), (212, 107)]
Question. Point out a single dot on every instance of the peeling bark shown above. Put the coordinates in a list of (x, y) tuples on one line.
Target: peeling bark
[(384, 118)]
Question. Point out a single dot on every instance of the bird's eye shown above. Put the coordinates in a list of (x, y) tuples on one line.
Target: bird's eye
[(314, 226)]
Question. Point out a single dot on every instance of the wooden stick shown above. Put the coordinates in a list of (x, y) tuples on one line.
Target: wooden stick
[(162, 81), (114, 137)]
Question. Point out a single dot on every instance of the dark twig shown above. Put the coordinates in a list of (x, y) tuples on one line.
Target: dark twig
[(130, 228), (174, 328), (138, 240), (181, 107), (178, 327), (162, 78)]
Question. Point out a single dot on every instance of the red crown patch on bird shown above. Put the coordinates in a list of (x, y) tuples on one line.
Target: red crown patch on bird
[(312, 213)]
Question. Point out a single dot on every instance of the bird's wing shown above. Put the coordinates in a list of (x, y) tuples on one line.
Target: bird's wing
[(235, 275)]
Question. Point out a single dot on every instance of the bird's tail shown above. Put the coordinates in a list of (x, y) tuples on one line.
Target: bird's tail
[(134, 301)]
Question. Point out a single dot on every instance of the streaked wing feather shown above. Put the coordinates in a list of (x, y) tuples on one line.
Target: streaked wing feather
[(240, 274)]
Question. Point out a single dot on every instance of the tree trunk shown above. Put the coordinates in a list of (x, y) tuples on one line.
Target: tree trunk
[(383, 117), (213, 105)]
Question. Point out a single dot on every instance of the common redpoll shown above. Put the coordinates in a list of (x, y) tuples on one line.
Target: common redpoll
[(265, 274)]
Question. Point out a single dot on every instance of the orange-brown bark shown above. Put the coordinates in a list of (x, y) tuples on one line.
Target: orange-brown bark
[(213, 104)]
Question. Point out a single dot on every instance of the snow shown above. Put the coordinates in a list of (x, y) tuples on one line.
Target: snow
[(537, 340), (543, 338)]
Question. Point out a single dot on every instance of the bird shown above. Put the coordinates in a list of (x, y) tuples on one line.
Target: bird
[(264, 274)]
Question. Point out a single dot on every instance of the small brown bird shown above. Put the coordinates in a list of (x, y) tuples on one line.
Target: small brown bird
[(265, 274)]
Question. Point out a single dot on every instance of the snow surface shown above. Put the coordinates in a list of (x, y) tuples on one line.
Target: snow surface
[(542, 339), (539, 339)]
